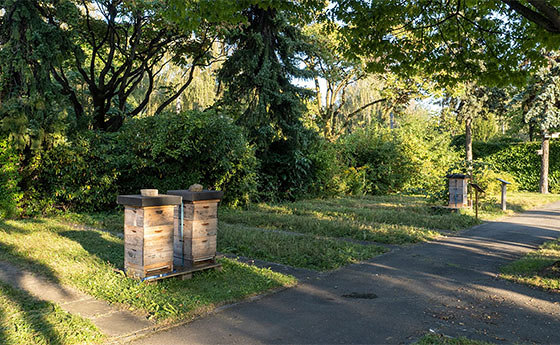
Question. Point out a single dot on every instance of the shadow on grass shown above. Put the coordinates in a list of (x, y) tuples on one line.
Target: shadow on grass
[(97, 246), (14, 277)]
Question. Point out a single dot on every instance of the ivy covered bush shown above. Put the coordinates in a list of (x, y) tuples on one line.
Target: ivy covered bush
[(522, 162)]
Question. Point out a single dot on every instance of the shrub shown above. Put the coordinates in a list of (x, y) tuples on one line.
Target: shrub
[(173, 151), (410, 159), (81, 174), (169, 151), (379, 154), (10, 194), (521, 161)]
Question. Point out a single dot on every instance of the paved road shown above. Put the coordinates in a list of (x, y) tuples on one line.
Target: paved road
[(449, 286)]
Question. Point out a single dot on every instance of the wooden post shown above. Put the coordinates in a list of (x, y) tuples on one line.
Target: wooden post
[(476, 202), (544, 165), (504, 186)]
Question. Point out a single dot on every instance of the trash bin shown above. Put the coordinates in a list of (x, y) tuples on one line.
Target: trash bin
[(148, 232)]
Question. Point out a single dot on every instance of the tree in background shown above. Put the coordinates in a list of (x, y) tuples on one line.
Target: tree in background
[(540, 103), (349, 92), (469, 103), (31, 108), (258, 88), (494, 42), (120, 44)]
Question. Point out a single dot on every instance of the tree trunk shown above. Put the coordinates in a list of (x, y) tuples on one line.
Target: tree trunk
[(468, 139), (544, 165)]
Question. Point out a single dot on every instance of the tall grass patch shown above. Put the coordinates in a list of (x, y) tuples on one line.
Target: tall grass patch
[(299, 250)]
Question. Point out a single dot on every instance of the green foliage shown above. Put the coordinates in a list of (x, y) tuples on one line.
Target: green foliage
[(31, 109), (10, 194), (170, 151), (173, 151), (81, 175), (446, 40), (411, 158), (521, 161), (259, 87), (540, 98)]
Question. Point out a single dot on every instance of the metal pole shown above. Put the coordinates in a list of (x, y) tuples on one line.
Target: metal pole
[(181, 237)]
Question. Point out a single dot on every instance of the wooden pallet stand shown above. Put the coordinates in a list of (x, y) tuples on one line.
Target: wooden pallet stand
[(186, 272)]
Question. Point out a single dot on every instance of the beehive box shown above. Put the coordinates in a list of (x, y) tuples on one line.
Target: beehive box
[(458, 196), (148, 234), (200, 227)]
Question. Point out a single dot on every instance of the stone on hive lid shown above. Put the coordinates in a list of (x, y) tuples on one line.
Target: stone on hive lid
[(195, 188), (149, 192)]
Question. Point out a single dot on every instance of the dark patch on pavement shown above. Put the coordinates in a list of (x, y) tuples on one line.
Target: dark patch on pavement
[(360, 295)]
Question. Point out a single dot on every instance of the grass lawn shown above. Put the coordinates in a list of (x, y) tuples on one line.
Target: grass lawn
[(26, 320), (517, 202), (540, 268), (90, 261), (314, 234), (298, 250)]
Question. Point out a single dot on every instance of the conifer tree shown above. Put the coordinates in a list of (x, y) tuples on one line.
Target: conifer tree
[(30, 105), (258, 77)]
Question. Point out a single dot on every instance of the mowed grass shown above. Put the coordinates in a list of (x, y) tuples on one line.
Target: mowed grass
[(26, 320), (389, 219), (315, 233), (92, 262), (517, 202), (298, 250), (540, 268)]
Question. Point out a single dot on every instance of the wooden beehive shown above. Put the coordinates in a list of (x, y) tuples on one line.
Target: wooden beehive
[(148, 234), (200, 227), (458, 197)]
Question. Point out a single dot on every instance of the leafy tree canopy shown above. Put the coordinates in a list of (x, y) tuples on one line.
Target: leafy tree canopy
[(495, 42)]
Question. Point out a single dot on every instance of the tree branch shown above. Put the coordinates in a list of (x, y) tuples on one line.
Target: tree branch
[(363, 107), (533, 16)]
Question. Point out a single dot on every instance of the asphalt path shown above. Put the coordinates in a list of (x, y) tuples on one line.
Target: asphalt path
[(449, 286)]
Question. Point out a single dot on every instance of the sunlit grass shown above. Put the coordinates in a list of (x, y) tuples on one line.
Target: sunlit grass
[(517, 202), (330, 226), (438, 339), (89, 260), (540, 268), (296, 250), (26, 320)]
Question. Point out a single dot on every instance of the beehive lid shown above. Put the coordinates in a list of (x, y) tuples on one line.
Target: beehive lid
[(197, 196), (458, 176), (143, 201)]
